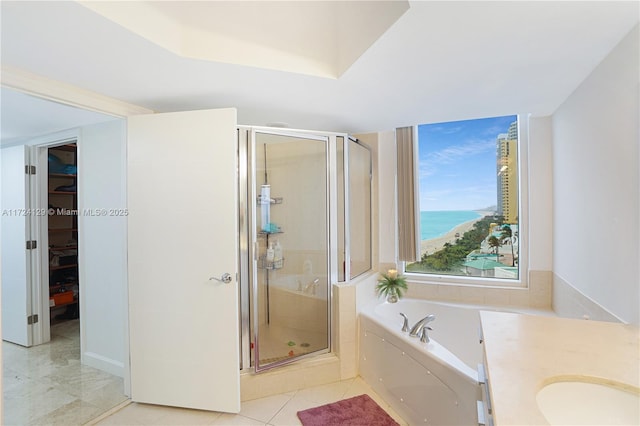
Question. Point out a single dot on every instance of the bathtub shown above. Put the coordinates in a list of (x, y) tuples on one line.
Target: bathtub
[(293, 307), (300, 284), (433, 383)]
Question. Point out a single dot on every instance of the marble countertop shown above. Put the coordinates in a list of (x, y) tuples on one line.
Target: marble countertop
[(524, 353)]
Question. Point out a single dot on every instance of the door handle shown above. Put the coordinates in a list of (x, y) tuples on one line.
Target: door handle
[(225, 278)]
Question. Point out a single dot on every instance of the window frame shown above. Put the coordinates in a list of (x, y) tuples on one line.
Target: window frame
[(523, 229)]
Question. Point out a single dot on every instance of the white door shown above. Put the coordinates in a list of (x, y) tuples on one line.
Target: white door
[(16, 259), (182, 230)]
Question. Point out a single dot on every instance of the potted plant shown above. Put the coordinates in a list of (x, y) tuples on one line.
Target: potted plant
[(391, 285)]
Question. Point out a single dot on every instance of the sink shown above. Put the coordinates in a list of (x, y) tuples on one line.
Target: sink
[(589, 402)]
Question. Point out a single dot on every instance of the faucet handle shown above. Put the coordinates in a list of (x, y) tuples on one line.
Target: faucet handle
[(405, 323), (424, 335)]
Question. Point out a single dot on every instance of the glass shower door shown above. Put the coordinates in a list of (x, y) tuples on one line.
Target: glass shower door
[(290, 297)]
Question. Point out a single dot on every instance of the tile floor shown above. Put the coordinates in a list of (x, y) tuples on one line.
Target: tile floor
[(277, 410), (46, 384)]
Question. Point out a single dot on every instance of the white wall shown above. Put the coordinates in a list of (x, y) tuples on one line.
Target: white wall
[(103, 246), (595, 188)]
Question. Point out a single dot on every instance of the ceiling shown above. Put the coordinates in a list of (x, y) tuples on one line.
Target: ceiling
[(319, 38), (376, 66)]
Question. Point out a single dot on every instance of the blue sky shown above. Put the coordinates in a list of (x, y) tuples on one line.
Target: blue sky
[(458, 163)]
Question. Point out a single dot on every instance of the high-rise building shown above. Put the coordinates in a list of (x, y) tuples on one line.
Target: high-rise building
[(507, 171), (512, 133), (501, 137)]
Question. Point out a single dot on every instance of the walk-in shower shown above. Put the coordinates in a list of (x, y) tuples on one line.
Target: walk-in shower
[(295, 237)]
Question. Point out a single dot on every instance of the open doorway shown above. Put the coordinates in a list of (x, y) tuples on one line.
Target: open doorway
[(62, 232), (73, 367)]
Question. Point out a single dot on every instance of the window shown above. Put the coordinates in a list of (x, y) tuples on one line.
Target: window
[(469, 199)]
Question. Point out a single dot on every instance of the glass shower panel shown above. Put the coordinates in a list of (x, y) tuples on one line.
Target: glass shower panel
[(291, 245), (359, 172)]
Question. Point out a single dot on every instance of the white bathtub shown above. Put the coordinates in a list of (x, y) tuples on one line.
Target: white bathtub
[(294, 308), (433, 383), (301, 285)]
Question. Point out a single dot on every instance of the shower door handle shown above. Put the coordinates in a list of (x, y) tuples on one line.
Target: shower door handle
[(225, 278)]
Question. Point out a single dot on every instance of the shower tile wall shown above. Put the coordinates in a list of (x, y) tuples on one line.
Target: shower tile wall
[(288, 165), (536, 295), (346, 341)]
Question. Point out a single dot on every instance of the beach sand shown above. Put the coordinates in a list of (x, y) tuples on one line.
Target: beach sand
[(435, 244)]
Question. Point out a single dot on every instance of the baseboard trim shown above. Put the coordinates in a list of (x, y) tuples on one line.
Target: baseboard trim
[(103, 363)]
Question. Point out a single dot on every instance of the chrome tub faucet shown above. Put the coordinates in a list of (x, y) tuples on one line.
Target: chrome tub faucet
[(311, 287), (417, 328), (405, 323)]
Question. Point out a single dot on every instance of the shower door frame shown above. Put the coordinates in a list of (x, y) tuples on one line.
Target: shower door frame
[(248, 238), (347, 206)]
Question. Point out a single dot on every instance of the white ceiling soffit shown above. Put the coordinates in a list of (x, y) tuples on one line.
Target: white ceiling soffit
[(318, 38)]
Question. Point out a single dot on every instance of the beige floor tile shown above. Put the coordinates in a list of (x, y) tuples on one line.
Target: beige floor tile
[(325, 394), (184, 416), (107, 413), (34, 399), (147, 414), (360, 387), (264, 409), (107, 396), (226, 419), (120, 418), (75, 413), (277, 410), (138, 414), (46, 384), (287, 416), (83, 381)]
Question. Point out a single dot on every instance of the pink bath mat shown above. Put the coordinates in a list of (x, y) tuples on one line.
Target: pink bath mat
[(359, 410)]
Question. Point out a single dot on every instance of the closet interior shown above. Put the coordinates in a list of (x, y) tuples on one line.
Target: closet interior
[(63, 232)]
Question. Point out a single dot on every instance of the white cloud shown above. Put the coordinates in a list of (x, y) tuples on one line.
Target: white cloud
[(494, 130), (445, 130), (454, 153)]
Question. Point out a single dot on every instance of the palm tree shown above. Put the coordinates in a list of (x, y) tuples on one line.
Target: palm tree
[(506, 236), (495, 243)]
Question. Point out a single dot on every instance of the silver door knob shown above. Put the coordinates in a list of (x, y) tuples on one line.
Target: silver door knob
[(225, 278)]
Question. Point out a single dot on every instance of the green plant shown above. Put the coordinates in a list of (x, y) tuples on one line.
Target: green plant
[(391, 284)]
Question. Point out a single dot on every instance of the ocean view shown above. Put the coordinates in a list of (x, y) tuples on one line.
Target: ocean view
[(435, 224)]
